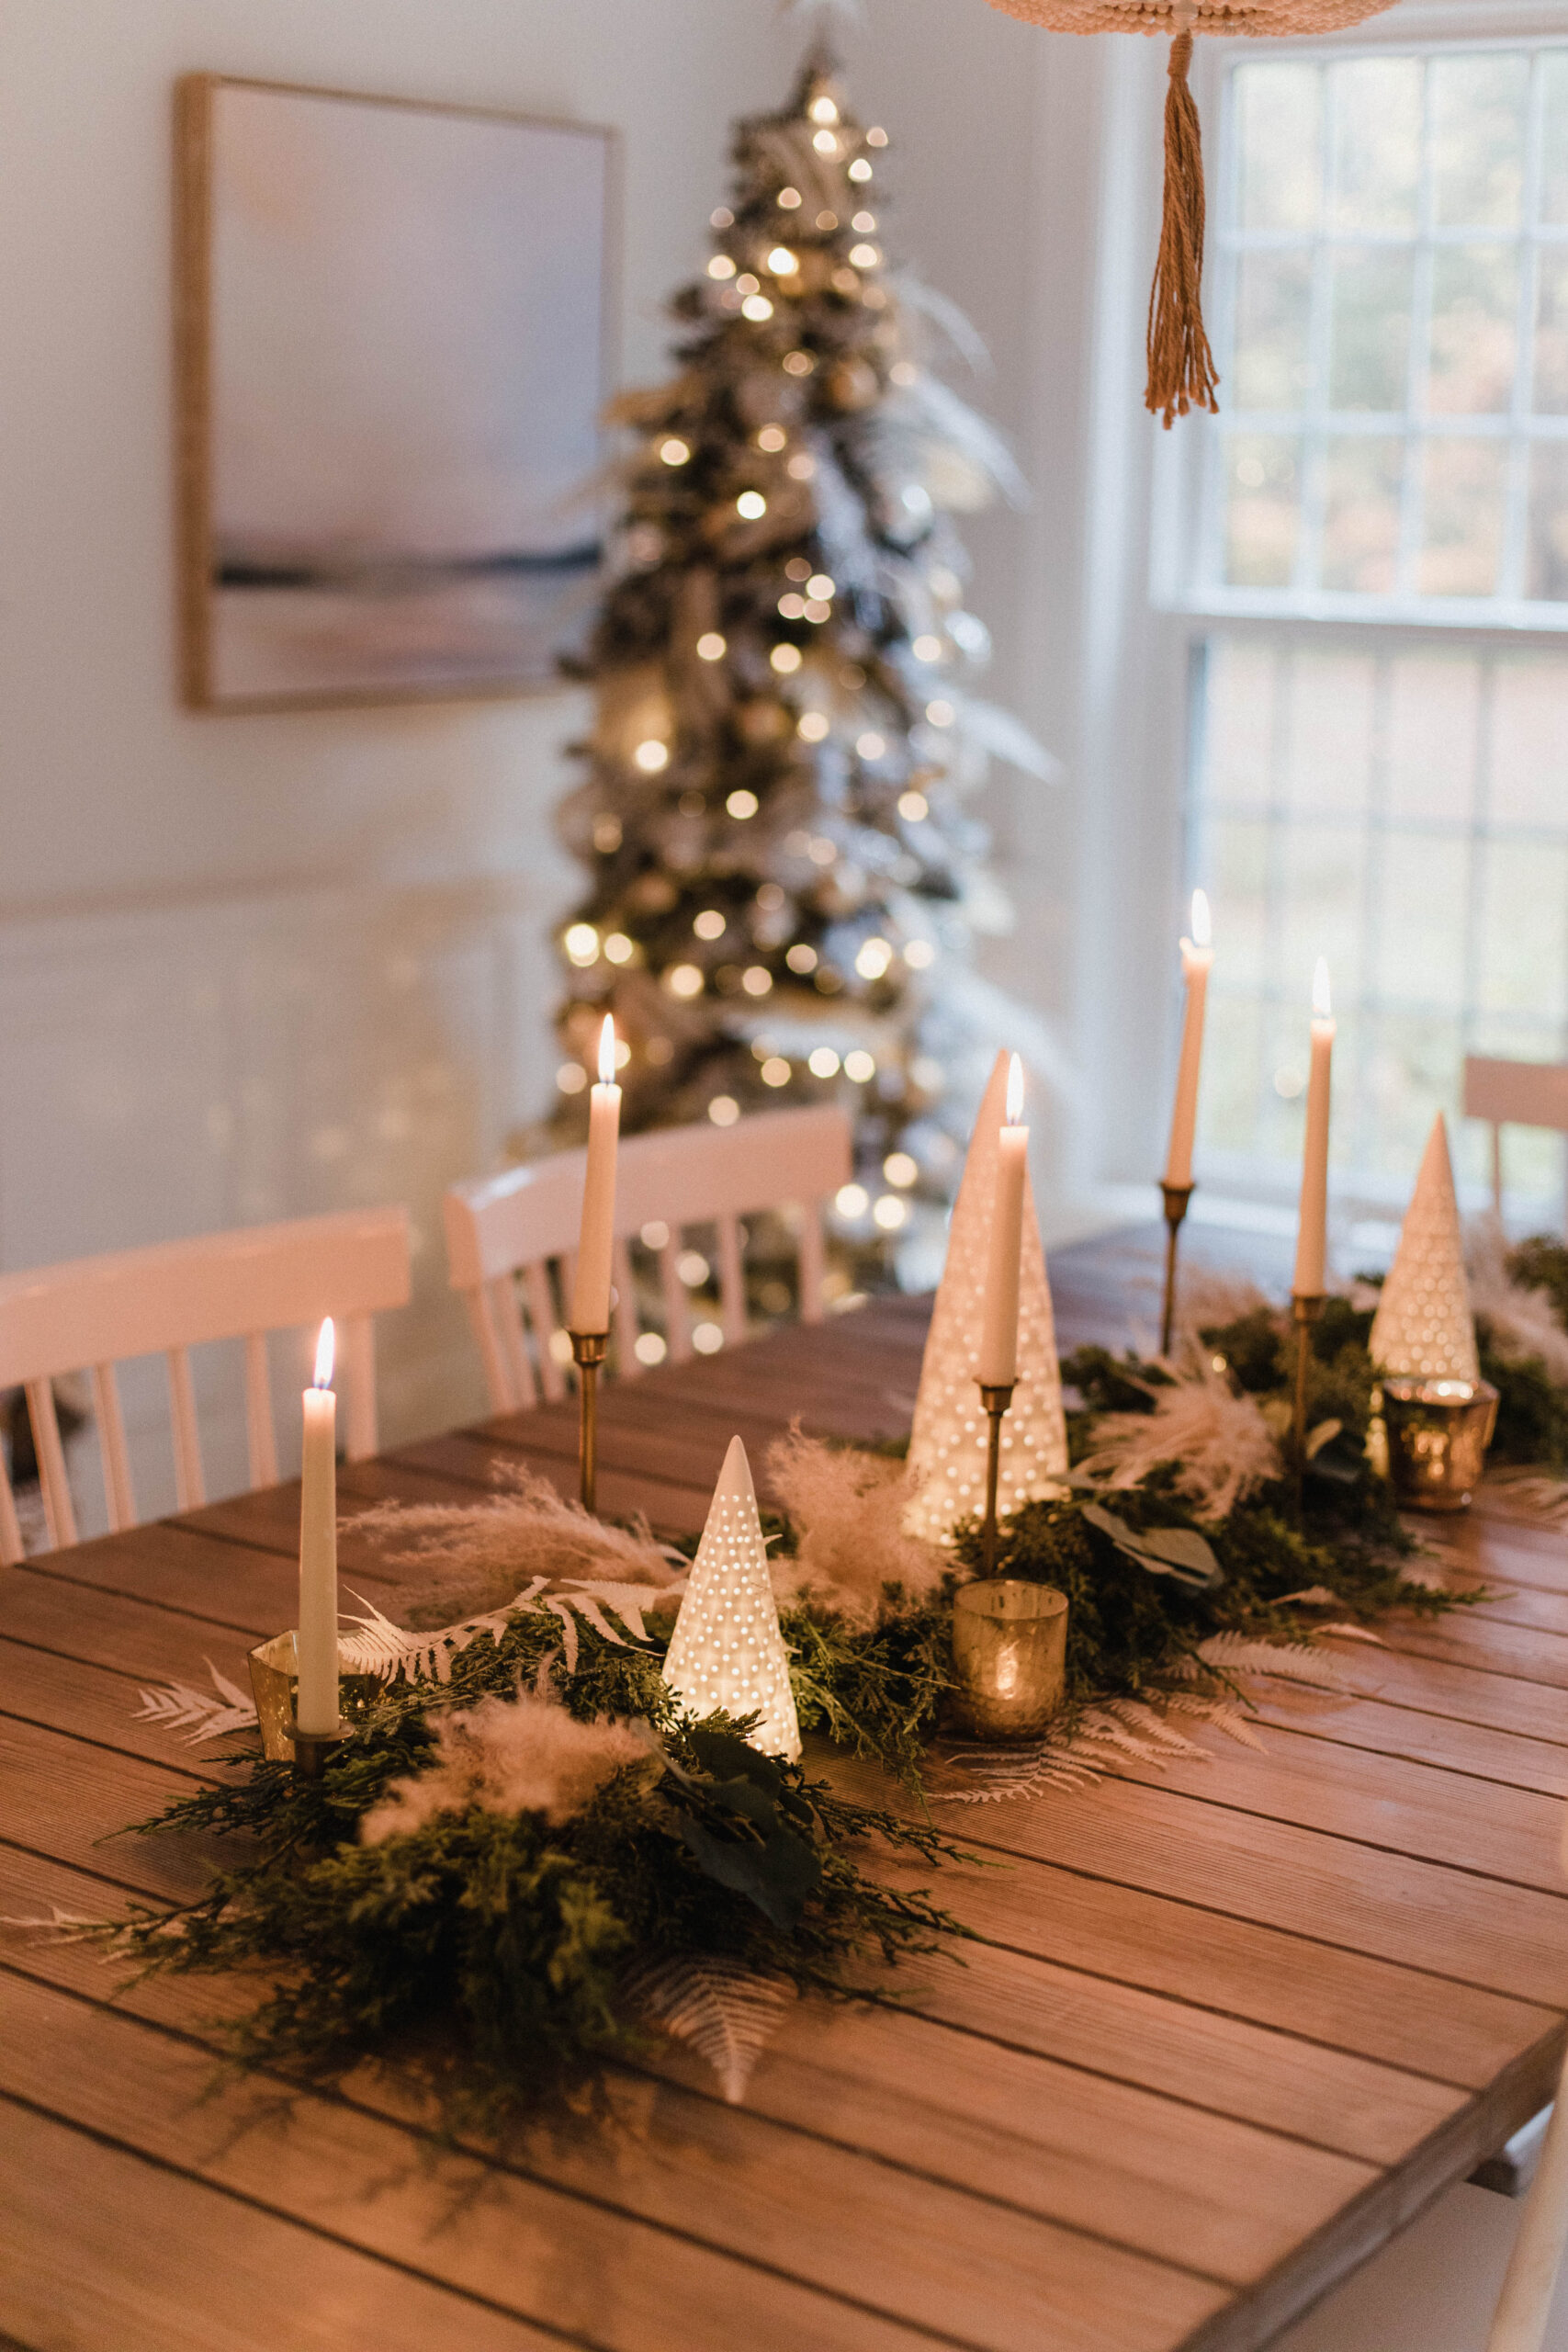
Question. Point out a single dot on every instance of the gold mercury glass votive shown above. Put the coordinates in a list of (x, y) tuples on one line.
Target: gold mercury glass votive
[(1009, 1643), (1437, 1433), (273, 1676)]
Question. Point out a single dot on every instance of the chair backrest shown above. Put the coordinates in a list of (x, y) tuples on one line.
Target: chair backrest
[(92, 1313), (1521, 1094), (513, 1224)]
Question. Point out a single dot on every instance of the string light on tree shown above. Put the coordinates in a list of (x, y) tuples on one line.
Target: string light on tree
[(785, 603)]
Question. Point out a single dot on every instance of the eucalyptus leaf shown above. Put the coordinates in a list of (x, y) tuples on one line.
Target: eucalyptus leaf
[(779, 1874), (1178, 1552)]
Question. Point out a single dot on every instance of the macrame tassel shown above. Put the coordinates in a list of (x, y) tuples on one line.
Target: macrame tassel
[(1181, 366)]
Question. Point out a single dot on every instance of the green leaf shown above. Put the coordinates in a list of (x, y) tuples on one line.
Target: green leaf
[(779, 1875), (1178, 1552)]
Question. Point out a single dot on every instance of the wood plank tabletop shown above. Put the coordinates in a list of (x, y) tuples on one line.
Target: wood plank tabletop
[(1227, 2028)]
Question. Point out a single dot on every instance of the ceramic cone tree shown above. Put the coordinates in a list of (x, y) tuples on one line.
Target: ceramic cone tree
[(1424, 1328), (947, 1448), (727, 1650)]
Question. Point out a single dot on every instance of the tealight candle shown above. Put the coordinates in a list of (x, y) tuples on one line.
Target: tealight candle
[(591, 1291), (1197, 959), (999, 1333), (1312, 1241), (316, 1703)]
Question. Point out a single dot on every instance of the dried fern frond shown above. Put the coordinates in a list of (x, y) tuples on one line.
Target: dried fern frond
[(202, 1714), (726, 2013), (1536, 1492), (1220, 1444), (1229, 1655)]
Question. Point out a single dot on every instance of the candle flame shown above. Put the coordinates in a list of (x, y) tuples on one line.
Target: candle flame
[(325, 1349), (1322, 1007), (1015, 1091), (607, 1053), (1203, 925)]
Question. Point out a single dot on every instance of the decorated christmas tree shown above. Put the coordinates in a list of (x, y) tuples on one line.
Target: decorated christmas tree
[(785, 879)]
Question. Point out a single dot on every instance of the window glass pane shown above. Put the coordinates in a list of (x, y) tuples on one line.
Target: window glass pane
[(1524, 953), (1475, 302), (1262, 509), (1462, 537), (1377, 142), (1239, 726), (1269, 369), (1279, 132), (1361, 515), (1236, 873), (1329, 739), (1551, 398), (1324, 870), (1232, 1071), (1410, 1065), (1418, 953), (1434, 735), (1548, 574), (1478, 129), (1554, 136), (1529, 780), (1369, 328)]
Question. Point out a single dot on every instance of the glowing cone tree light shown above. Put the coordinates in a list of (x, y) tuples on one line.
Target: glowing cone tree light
[(727, 1650), (1424, 1328), (947, 1448)]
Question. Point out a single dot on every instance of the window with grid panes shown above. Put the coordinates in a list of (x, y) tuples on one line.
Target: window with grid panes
[(1381, 774)]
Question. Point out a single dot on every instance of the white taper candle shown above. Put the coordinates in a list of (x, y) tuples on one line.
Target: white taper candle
[(316, 1705), (1312, 1239), (999, 1332), (1197, 959), (590, 1290)]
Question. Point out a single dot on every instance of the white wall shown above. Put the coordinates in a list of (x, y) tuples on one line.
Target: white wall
[(256, 966)]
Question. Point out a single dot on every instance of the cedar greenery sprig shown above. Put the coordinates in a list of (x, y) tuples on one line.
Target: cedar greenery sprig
[(486, 1951)]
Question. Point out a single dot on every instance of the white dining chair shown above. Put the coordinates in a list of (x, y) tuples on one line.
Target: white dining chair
[(1518, 1094), (502, 1232), (92, 1313)]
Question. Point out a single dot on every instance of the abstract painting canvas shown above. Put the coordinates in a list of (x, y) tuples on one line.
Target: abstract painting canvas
[(393, 354)]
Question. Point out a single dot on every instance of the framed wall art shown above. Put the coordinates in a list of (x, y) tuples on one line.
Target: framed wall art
[(394, 343)]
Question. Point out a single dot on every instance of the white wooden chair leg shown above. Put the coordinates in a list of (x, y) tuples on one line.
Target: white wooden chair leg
[(542, 1314), (261, 1435), (119, 1498), (677, 1307), (190, 1487), (59, 1513), (360, 1438), (731, 1281), (498, 1378), (626, 1362), (11, 1546), (1525, 2305), (813, 1266)]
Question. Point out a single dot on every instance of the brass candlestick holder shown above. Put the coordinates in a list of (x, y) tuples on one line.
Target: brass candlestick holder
[(589, 1349), (1306, 1308), (1176, 1198), (274, 1678), (996, 1401)]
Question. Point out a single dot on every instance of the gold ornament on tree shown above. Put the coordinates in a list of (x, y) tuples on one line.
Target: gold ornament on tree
[(1424, 1328), (947, 1446), (727, 1650), (1181, 367)]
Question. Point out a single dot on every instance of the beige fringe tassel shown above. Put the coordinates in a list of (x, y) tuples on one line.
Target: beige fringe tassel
[(1181, 366)]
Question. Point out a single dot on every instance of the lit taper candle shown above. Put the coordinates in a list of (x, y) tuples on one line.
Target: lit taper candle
[(591, 1291), (1197, 958), (316, 1705), (1312, 1241), (999, 1333)]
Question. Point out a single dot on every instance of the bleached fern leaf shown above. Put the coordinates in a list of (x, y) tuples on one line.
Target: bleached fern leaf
[(63, 1926), (1224, 1716), (1233, 1654), (1310, 1596), (1135, 1717), (178, 1706), (992, 1775), (1349, 1632), (1535, 1491), (727, 2014)]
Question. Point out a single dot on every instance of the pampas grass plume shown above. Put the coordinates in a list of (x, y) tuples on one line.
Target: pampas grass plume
[(848, 1509), (525, 1754), (1220, 1443), (1523, 1321)]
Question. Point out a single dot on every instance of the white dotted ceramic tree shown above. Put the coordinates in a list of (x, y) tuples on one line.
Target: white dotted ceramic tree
[(1424, 1328), (727, 1650), (947, 1447)]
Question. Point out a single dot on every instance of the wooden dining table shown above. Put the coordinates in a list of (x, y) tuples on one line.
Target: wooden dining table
[(1225, 2027)]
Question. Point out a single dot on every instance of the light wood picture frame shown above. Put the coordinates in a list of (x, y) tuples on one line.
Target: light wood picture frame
[(394, 329)]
